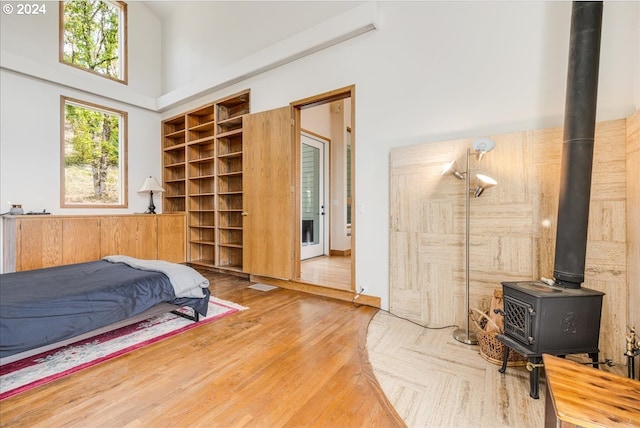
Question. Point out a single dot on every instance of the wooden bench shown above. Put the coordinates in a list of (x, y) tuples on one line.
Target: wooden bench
[(580, 396)]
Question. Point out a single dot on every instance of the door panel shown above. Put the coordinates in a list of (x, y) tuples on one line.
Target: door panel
[(129, 236), (268, 198), (40, 243), (312, 198), (171, 238)]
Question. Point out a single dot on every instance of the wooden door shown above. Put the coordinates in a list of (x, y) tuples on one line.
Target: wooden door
[(268, 194), (39, 243), (80, 240)]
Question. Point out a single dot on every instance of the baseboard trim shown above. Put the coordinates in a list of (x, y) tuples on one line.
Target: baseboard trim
[(226, 271), (319, 290), (342, 253)]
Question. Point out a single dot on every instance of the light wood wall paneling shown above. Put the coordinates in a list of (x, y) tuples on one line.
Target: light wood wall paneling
[(512, 226), (633, 221), (111, 237), (9, 252), (40, 243), (606, 267), (146, 237), (79, 243), (172, 238), (134, 236), (34, 242), (425, 215)]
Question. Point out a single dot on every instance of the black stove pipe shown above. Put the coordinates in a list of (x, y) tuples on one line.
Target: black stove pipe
[(578, 142)]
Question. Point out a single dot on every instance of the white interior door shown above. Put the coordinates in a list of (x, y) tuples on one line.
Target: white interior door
[(313, 198)]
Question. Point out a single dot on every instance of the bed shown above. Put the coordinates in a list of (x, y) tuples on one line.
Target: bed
[(45, 308)]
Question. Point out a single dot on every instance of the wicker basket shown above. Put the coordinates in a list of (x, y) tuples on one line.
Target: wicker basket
[(491, 349)]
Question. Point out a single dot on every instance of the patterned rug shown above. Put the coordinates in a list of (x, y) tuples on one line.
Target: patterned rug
[(28, 373)]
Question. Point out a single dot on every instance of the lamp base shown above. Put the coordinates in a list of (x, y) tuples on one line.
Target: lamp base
[(468, 338), (152, 207)]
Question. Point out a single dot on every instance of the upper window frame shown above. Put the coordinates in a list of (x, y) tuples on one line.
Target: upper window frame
[(123, 35)]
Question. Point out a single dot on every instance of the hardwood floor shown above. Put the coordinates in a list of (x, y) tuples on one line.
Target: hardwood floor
[(328, 271), (292, 359)]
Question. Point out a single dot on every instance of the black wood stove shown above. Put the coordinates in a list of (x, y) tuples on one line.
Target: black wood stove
[(541, 318), (560, 317)]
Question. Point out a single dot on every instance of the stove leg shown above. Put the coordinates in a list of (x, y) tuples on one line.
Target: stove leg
[(505, 358), (534, 377), (594, 358)]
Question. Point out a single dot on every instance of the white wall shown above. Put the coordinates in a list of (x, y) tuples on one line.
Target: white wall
[(316, 119), (432, 71), (222, 32), (30, 45), (443, 70), (32, 81), (30, 147)]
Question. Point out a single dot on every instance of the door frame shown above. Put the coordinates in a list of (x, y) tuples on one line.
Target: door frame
[(298, 106)]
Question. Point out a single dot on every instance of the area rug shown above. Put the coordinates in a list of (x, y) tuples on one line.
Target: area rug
[(28, 373)]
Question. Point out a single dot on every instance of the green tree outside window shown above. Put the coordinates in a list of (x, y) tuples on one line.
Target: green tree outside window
[(93, 36), (93, 156)]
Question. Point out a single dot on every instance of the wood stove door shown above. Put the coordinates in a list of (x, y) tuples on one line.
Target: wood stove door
[(518, 320)]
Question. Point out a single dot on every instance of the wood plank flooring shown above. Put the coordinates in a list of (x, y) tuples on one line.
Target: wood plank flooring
[(292, 359), (328, 271)]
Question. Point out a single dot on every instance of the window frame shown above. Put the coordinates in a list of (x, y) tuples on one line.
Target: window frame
[(123, 154), (123, 40)]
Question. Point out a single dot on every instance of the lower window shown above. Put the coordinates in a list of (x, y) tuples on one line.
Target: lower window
[(93, 156)]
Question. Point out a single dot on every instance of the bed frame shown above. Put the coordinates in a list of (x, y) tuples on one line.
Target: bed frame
[(158, 309)]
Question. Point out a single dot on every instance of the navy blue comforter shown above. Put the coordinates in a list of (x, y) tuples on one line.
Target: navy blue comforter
[(44, 306)]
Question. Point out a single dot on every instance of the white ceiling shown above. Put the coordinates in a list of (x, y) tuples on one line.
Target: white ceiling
[(232, 30)]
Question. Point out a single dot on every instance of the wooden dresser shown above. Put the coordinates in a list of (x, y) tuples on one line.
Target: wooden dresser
[(33, 242)]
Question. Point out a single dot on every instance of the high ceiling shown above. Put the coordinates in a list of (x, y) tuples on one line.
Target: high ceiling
[(232, 30)]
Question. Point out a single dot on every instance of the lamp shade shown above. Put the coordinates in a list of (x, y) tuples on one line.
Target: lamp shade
[(451, 168), (484, 182), (150, 185)]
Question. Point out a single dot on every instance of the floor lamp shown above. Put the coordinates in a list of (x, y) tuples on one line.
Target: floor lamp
[(480, 148)]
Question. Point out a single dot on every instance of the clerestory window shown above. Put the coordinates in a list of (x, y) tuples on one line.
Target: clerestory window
[(93, 37)]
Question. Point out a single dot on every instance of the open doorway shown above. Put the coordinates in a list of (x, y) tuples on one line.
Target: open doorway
[(325, 122)]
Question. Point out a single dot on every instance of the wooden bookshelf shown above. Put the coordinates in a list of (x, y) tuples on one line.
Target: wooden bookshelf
[(230, 113), (202, 176), (174, 162)]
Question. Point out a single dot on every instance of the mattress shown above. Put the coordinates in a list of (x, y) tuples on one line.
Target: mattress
[(44, 306)]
